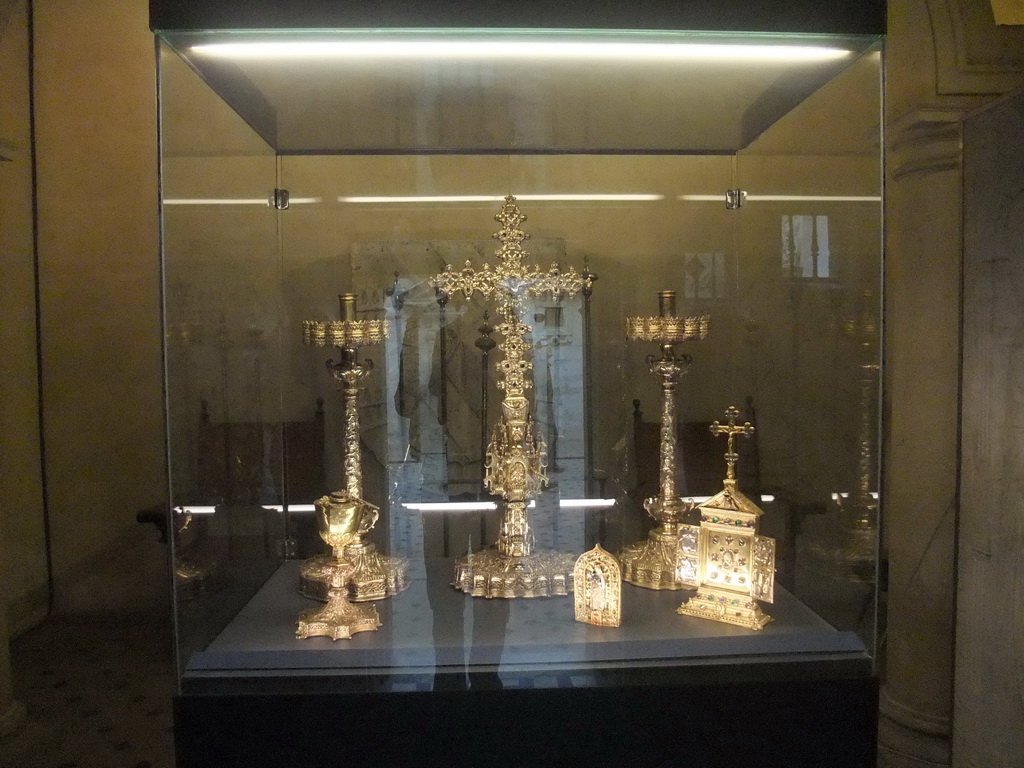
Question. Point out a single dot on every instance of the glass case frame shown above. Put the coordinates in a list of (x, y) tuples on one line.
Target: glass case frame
[(241, 524)]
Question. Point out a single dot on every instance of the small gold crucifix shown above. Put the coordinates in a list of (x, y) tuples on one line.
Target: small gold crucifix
[(732, 429)]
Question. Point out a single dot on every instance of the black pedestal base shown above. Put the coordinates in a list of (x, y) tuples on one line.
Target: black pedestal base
[(804, 724)]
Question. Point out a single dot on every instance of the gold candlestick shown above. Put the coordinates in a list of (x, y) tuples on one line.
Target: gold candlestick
[(731, 566), (375, 576), (652, 563), (516, 459)]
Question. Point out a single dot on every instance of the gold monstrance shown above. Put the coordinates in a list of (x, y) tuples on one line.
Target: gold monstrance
[(375, 576), (516, 460), (652, 563), (723, 557)]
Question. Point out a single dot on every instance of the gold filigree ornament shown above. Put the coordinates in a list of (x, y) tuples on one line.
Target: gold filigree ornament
[(652, 563), (730, 565), (516, 459), (598, 588), (375, 576)]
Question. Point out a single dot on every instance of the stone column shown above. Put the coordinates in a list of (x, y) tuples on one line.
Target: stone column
[(988, 729), (944, 59), (922, 446)]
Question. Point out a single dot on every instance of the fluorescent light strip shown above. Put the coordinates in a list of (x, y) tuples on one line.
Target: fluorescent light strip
[(209, 510), (423, 199), (193, 510), (499, 199), (627, 198), (565, 50), (787, 198), (385, 199), (816, 198), (460, 506), (217, 201), (480, 506), (237, 201), (452, 506)]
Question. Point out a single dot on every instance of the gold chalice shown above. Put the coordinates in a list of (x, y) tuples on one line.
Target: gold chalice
[(342, 520)]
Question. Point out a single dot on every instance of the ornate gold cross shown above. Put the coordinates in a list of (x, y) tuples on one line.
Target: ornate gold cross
[(515, 461), (732, 429), (511, 282)]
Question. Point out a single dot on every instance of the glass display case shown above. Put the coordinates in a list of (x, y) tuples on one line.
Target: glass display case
[(395, 423)]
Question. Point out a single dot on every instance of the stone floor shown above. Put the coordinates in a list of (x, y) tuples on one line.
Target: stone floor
[(98, 696)]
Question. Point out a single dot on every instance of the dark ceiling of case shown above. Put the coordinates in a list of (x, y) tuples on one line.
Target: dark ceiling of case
[(808, 16)]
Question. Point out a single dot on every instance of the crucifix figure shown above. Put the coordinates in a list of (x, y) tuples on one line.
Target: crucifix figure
[(516, 460), (731, 429)]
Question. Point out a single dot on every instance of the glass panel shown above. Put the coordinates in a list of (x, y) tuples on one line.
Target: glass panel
[(222, 283), (383, 226), (513, 90), (255, 301), (809, 335)]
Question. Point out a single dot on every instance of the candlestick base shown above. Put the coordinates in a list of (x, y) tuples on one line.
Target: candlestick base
[(653, 563), (489, 573), (338, 620), (375, 577)]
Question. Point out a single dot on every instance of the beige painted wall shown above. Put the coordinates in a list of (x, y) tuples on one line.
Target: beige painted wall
[(99, 283), (23, 582)]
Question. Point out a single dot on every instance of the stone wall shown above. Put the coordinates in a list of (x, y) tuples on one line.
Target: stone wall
[(946, 58)]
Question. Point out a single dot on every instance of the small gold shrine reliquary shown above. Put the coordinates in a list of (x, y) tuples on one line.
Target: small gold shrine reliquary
[(723, 557), (598, 588)]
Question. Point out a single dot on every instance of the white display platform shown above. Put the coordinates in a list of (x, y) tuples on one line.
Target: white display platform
[(441, 629)]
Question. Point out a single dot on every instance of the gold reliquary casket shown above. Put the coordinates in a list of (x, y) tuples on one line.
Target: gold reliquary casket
[(731, 566)]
